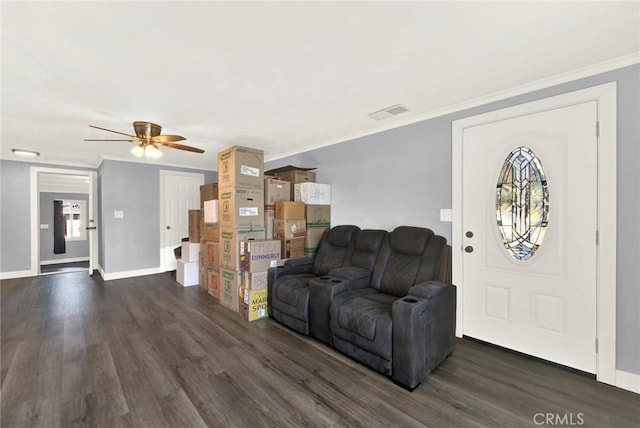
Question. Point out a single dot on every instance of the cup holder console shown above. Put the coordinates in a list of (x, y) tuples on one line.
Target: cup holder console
[(409, 300)]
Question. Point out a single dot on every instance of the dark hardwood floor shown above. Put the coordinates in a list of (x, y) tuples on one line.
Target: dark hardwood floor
[(145, 352)]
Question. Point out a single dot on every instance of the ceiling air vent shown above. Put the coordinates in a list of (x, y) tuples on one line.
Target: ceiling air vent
[(388, 112)]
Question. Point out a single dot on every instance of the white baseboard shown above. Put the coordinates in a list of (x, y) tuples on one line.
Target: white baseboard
[(628, 381), (69, 260), (128, 274), (17, 274)]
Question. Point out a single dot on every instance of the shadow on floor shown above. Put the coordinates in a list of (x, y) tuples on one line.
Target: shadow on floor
[(64, 268)]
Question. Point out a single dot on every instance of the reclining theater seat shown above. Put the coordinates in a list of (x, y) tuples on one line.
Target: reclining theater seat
[(288, 285), (403, 323), (356, 274)]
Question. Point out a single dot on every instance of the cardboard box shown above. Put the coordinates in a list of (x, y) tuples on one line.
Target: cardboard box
[(292, 248), (312, 193), (287, 229), (203, 282), (269, 216), (255, 280), (259, 255), (209, 231), (212, 254), (230, 283), (208, 192), (241, 167), (275, 190), (241, 208), (187, 273), (213, 282), (230, 245), (293, 174), (190, 251), (194, 225), (318, 221), (253, 304), (211, 211), (287, 210), (312, 240)]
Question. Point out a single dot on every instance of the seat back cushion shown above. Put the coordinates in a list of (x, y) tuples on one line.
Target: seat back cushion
[(367, 246), (410, 255), (335, 249)]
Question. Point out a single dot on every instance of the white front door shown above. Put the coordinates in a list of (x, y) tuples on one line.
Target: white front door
[(180, 192), (542, 302)]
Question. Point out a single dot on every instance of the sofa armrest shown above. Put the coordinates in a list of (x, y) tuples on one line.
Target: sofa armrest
[(429, 289), (321, 291), (423, 331), (291, 267)]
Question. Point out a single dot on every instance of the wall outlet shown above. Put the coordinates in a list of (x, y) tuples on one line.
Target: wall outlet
[(118, 214), (44, 226)]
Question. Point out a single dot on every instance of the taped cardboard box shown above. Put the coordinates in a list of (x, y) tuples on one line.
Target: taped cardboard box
[(212, 252), (255, 280), (208, 192), (241, 167), (213, 283), (287, 229), (194, 225), (209, 231), (275, 190), (289, 210), (259, 255), (230, 283), (318, 222), (241, 208), (313, 193), (230, 245), (269, 216), (293, 174), (211, 211), (292, 248), (253, 304)]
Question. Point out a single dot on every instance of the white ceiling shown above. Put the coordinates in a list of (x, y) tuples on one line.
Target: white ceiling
[(281, 76)]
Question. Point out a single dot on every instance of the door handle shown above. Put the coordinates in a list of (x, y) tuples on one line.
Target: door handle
[(168, 227), (90, 228), (469, 234), (468, 249)]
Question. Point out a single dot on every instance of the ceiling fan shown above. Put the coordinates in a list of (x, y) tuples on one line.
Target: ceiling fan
[(148, 136)]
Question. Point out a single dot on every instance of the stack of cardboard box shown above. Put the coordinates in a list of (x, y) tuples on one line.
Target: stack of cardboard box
[(275, 190), (256, 257), (208, 237), (187, 265), (240, 214), (290, 227)]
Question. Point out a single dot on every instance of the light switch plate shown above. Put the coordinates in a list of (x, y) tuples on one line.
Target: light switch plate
[(446, 214), (118, 214)]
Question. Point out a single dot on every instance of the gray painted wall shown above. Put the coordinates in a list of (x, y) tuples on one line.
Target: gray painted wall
[(403, 176), (15, 230), (74, 249), (132, 243)]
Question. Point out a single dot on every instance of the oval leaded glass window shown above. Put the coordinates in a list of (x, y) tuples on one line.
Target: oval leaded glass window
[(522, 203)]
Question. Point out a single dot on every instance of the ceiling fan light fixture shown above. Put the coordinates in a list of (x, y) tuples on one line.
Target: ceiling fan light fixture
[(151, 151), (138, 151)]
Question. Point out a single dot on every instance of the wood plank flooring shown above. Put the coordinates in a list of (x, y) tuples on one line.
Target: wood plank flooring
[(145, 352)]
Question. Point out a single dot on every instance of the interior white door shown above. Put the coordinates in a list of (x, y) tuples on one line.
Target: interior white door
[(545, 303), (181, 193)]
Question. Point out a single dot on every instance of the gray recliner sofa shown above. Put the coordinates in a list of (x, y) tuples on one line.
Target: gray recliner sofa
[(383, 305)]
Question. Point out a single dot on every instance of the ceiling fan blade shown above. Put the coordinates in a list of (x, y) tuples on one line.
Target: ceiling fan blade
[(162, 139), (183, 147), (131, 141), (117, 132)]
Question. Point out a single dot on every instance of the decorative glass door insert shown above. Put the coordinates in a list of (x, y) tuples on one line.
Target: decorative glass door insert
[(522, 203)]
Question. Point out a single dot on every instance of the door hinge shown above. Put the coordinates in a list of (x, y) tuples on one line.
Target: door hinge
[(597, 129), (597, 237), (596, 345)]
